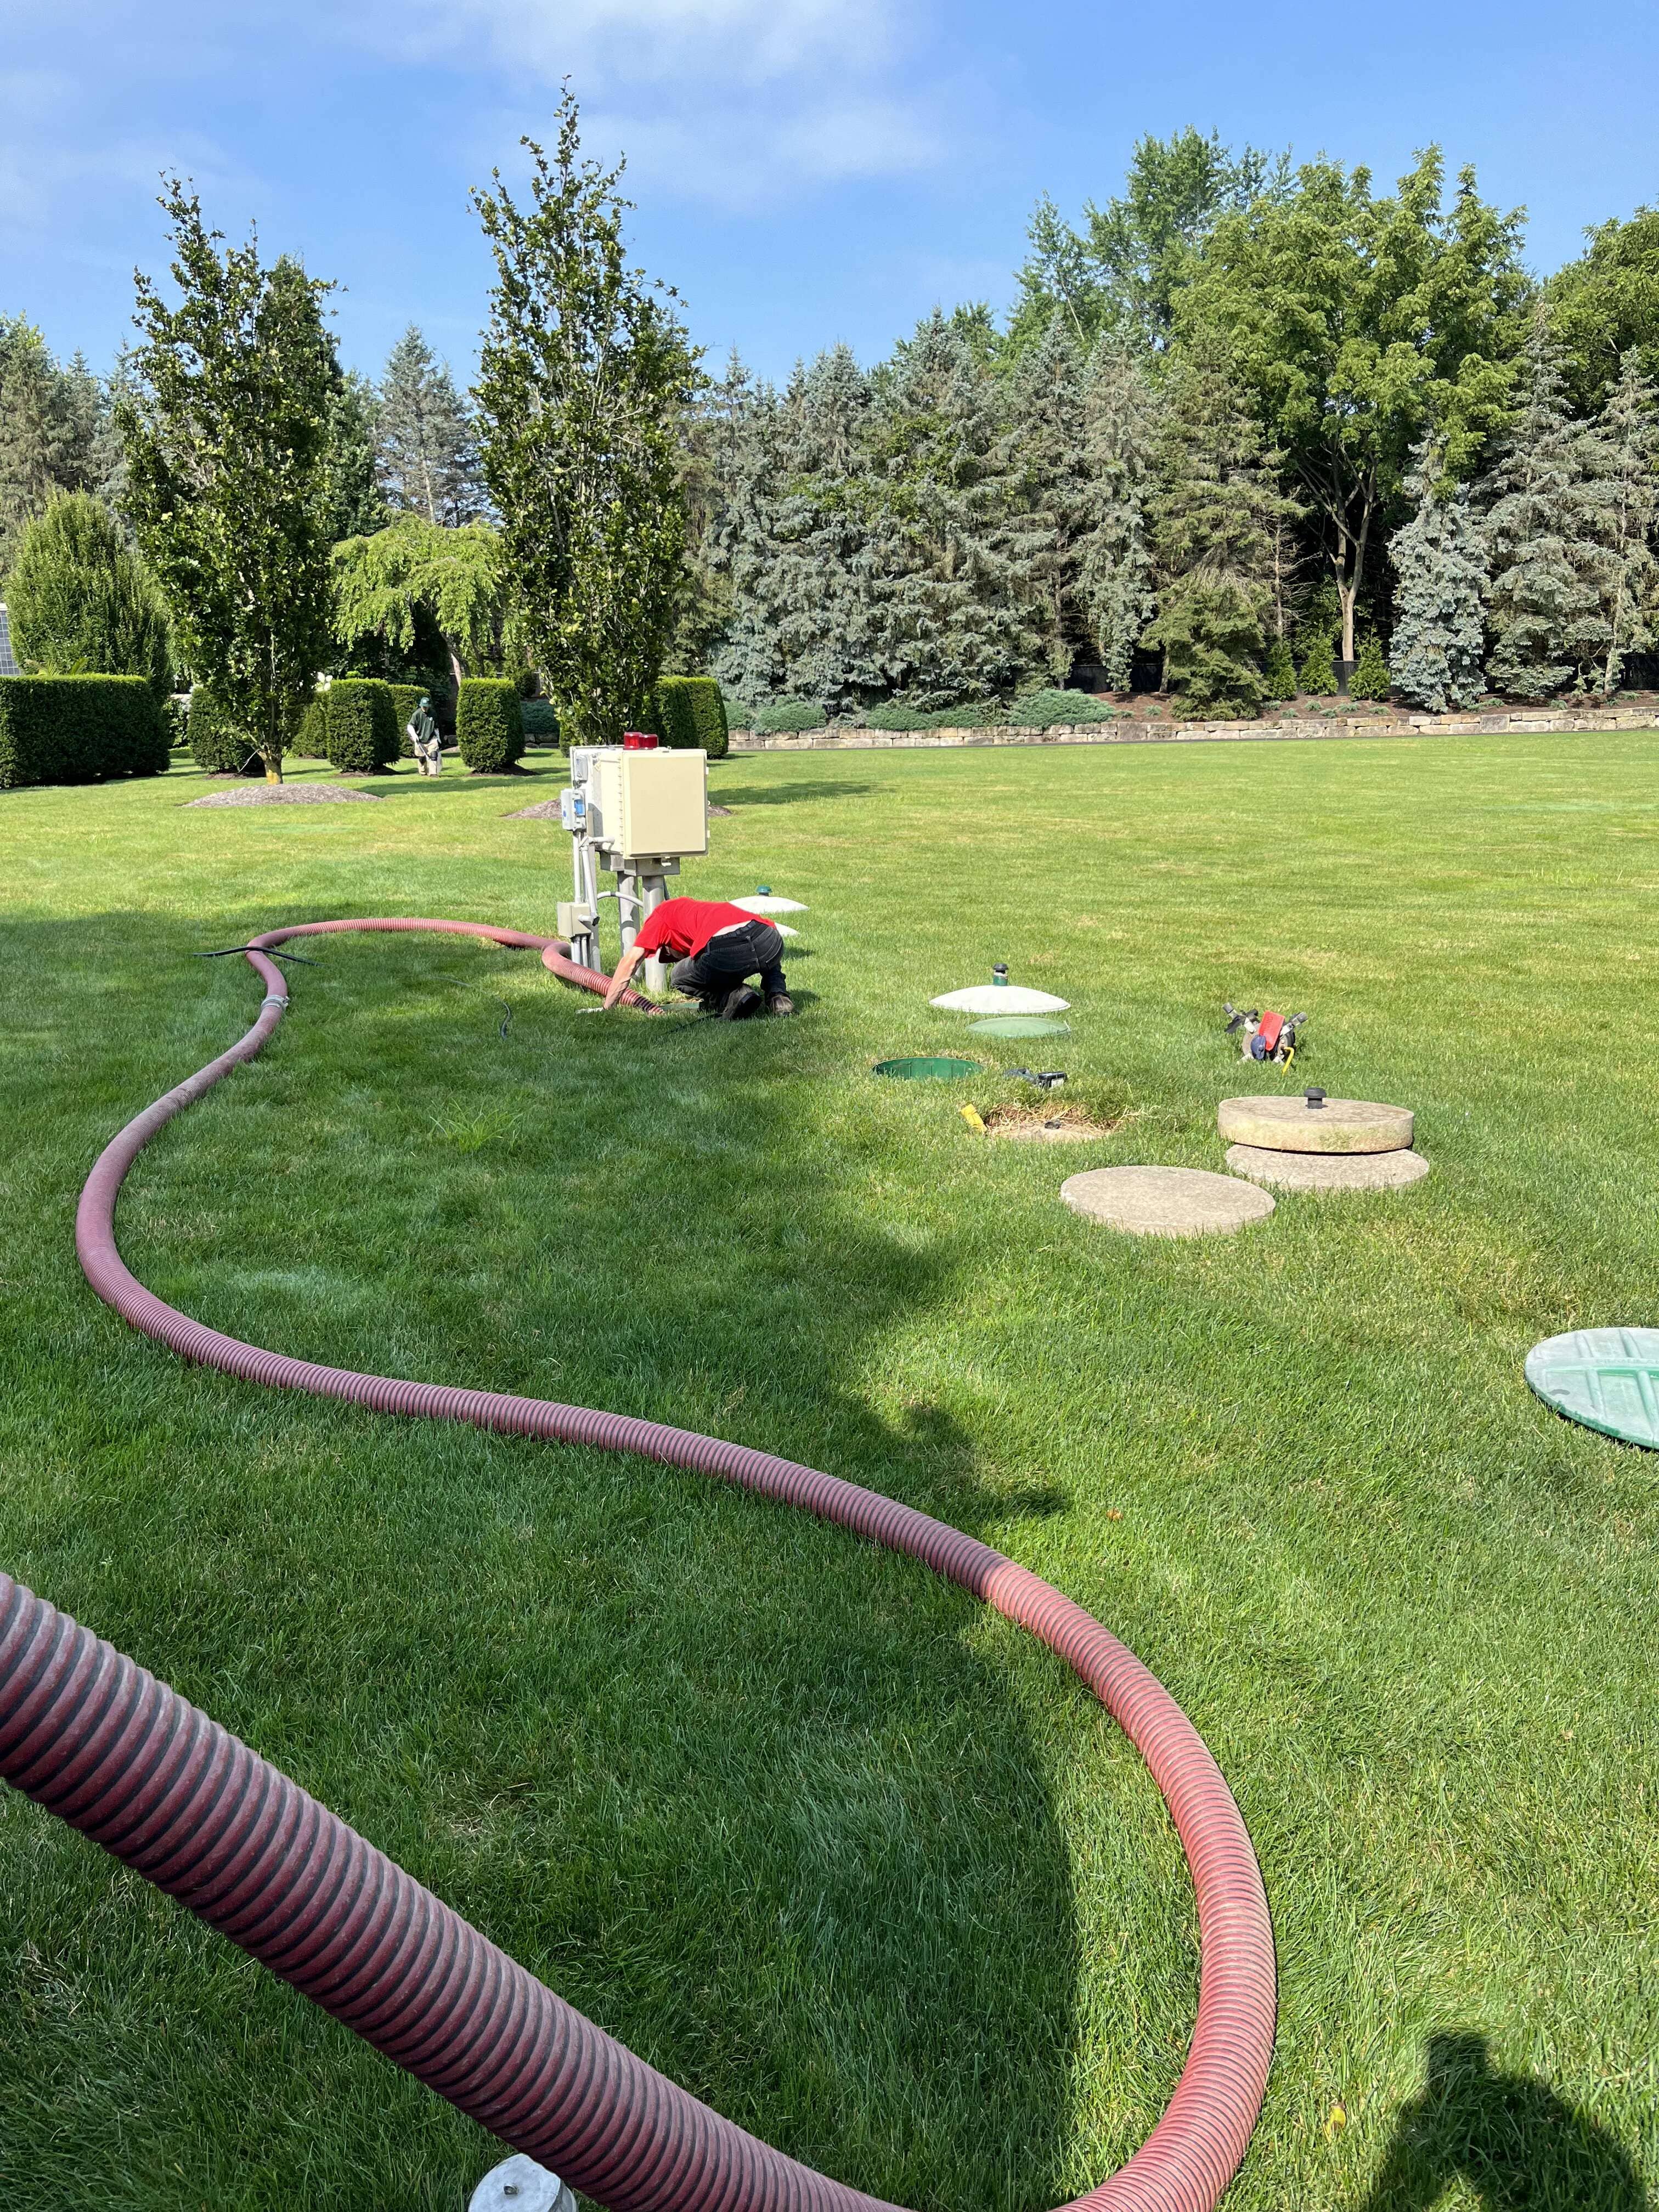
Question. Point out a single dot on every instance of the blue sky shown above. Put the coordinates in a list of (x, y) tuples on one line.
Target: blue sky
[(806, 170)]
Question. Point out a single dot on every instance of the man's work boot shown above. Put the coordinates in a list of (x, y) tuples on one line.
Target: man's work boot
[(742, 1003), (779, 1003)]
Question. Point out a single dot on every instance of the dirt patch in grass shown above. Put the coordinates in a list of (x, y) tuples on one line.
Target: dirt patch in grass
[(1048, 1124)]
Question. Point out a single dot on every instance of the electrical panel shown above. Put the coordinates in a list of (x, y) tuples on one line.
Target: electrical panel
[(652, 804)]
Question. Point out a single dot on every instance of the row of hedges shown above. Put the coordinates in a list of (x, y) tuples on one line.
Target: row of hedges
[(78, 729), (1032, 710)]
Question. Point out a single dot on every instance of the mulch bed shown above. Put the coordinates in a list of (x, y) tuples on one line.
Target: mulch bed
[(287, 795)]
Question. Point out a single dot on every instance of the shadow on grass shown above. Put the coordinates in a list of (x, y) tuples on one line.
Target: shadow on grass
[(1510, 2139), (756, 1797), (785, 794)]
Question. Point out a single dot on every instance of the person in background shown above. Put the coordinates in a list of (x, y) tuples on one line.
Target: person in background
[(716, 949), (424, 736)]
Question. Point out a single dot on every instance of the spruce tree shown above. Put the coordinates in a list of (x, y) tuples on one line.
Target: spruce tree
[(1440, 589), (1115, 579), (1547, 520), (1630, 432), (960, 574), (54, 430), (1053, 490), (1212, 517), (1369, 680), (426, 449)]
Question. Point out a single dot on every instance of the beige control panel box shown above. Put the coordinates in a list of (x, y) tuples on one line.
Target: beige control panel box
[(652, 804)]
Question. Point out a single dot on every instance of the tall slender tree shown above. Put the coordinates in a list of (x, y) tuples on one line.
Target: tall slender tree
[(426, 447), (225, 418), (1630, 433), (54, 430), (584, 381), (1439, 561), (1052, 490), (1116, 582), (1546, 529)]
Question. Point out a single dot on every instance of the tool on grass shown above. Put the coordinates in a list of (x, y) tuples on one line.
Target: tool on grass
[(225, 953), (1045, 1079), (1262, 1034), (971, 1115)]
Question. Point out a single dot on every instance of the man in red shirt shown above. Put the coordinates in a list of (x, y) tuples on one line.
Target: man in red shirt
[(716, 948)]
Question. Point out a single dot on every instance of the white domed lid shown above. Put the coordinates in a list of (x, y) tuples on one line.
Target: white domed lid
[(1001, 998)]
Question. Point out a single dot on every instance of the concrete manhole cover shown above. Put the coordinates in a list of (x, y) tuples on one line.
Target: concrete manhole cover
[(1291, 1125), (1165, 1201), (1327, 1170)]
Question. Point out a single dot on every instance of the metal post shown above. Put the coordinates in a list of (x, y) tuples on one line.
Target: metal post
[(653, 891)]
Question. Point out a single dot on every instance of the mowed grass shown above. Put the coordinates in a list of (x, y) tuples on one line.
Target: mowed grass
[(857, 1862)]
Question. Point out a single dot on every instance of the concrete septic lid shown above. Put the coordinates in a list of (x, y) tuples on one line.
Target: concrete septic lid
[(1291, 1125), (1327, 1170), (1000, 998), (1607, 1378), (1165, 1201)]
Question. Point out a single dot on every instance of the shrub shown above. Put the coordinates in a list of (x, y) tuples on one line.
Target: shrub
[(1369, 680), (777, 717), (219, 744), (78, 729), (406, 698), (82, 601), (895, 714), (1281, 671), (1318, 676), (688, 711), (540, 718), (1047, 710), (311, 738), (489, 724), (362, 725)]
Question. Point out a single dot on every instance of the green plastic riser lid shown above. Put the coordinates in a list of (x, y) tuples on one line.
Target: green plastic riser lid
[(925, 1070), (1607, 1378)]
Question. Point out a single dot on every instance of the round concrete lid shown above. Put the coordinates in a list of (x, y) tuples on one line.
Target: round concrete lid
[(1291, 1125), (1165, 1201), (1607, 1378), (1327, 1170)]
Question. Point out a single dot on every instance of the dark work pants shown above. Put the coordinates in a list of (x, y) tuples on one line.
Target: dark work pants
[(729, 960)]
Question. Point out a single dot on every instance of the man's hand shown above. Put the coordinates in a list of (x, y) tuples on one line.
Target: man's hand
[(619, 983)]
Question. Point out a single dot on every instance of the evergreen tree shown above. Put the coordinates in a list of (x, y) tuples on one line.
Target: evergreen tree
[(794, 544), (357, 506), (54, 430), (1280, 678), (1369, 680), (1630, 432), (426, 449), (1547, 520), (1053, 490), (962, 590), (1440, 569), (1212, 517), (709, 441), (82, 601), (1317, 675), (1116, 582)]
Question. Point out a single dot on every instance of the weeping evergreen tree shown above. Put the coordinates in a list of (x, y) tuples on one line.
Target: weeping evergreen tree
[(1440, 590), (963, 599), (1212, 517), (793, 543), (1630, 432), (1054, 490), (1115, 583), (1547, 527)]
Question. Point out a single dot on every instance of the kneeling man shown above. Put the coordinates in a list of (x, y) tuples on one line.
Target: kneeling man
[(717, 948)]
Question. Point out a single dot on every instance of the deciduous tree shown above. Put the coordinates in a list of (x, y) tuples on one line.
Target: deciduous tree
[(225, 418), (584, 381), (384, 583)]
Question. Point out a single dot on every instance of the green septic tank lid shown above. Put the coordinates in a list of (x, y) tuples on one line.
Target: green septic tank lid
[(921, 1070), (1607, 1378), (1018, 1025)]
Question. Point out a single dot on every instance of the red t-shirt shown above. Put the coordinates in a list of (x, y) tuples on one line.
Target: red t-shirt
[(685, 926)]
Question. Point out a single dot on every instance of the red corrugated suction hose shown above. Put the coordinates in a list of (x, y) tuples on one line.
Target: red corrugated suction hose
[(87, 1733)]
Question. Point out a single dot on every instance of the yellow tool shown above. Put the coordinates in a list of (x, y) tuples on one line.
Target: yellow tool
[(970, 1115)]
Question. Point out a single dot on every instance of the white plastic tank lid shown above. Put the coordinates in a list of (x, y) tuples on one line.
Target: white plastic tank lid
[(764, 902), (1001, 998)]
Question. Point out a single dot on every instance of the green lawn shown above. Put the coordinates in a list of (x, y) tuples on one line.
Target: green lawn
[(856, 1861)]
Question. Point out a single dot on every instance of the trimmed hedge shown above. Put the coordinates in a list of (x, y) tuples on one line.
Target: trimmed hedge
[(488, 724), (362, 726), (689, 711), (540, 718), (311, 738), (78, 729), (219, 744)]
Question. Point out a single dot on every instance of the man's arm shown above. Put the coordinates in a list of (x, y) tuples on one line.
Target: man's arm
[(624, 975)]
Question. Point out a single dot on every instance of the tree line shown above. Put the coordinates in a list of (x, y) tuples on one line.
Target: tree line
[(1249, 429)]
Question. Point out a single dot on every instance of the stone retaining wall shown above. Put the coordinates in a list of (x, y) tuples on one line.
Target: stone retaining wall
[(1542, 720)]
